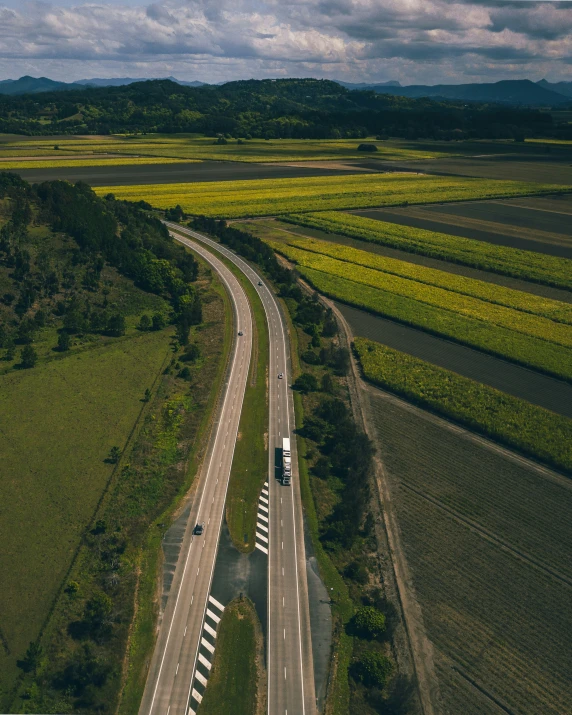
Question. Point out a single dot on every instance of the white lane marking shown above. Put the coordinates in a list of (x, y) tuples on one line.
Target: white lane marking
[(262, 548), (265, 492), (264, 500), (261, 516), (262, 508), (200, 677), (185, 633), (211, 631), (207, 645), (284, 634), (284, 672), (282, 570), (216, 603), (196, 695), (261, 526), (177, 669), (261, 536), (213, 616), (205, 661), (282, 544)]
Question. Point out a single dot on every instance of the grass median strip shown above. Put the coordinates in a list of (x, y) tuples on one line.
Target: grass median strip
[(518, 300), (264, 197), (540, 268), (532, 430), (233, 684)]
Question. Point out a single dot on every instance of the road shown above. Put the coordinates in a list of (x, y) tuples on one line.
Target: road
[(291, 689), (168, 687)]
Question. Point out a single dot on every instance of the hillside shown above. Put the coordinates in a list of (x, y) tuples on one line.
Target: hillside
[(290, 108)]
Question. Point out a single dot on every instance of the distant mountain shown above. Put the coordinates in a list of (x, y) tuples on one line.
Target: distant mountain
[(509, 91), (121, 81), (564, 88), (31, 85), (368, 85)]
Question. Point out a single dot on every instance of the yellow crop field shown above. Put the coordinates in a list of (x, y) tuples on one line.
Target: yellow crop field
[(519, 300), (534, 325), (266, 197)]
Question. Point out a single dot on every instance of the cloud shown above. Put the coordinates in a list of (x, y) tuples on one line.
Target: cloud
[(410, 40)]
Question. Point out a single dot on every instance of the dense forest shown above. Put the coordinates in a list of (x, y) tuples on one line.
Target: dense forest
[(48, 281), (289, 108)]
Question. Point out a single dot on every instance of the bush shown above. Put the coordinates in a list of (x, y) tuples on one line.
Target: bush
[(145, 322), (369, 622), (367, 147), (357, 572), (29, 357), (372, 669), (64, 341), (306, 382)]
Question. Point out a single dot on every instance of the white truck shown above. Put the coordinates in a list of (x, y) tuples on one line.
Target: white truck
[(286, 462)]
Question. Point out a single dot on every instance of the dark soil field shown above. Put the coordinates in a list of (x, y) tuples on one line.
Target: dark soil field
[(487, 540), (507, 281), (491, 222), (550, 393), (173, 173)]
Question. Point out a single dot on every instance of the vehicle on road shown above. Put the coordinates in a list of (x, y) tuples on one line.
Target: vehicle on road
[(280, 375), (259, 283), (199, 528), (240, 332), (286, 462)]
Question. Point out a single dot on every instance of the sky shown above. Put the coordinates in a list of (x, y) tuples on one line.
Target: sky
[(412, 41)]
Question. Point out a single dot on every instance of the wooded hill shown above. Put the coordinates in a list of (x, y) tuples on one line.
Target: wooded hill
[(289, 108)]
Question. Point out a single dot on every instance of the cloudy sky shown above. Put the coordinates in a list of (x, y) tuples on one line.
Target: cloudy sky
[(413, 41)]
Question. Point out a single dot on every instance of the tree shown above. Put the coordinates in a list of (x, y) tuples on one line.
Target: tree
[(114, 455), (147, 395), (327, 383), (369, 622), (341, 361), (10, 348), (367, 147), (29, 357), (145, 322), (31, 661), (182, 332), (116, 325), (191, 354), (97, 609), (158, 321), (64, 341), (306, 382), (372, 669)]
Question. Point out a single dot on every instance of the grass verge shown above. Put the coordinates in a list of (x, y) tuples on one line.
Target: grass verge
[(536, 267), (532, 430), (233, 685)]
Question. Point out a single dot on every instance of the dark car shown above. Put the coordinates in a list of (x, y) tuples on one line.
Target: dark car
[(198, 530), (259, 283), (240, 332)]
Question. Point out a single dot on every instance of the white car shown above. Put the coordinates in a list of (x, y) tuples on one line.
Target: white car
[(280, 375)]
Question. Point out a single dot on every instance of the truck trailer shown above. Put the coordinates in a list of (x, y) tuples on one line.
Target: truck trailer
[(286, 462)]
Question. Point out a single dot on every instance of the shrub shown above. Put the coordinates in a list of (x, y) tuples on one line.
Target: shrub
[(367, 147), (306, 382), (369, 622), (29, 357), (372, 669)]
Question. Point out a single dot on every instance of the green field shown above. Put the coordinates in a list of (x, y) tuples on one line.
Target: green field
[(518, 300), (55, 162), (233, 682), (58, 423), (192, 146), (265, 197), (536, 267), (530, 429)]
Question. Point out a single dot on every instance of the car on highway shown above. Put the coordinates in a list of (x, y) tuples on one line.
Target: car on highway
[(199, 528), (280, 375), (240, 332), (259, 283)]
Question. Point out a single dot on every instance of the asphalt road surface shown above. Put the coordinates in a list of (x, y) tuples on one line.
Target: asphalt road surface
[(168, 687), (291, 689)]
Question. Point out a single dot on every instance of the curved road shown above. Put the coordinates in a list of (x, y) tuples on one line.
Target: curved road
[(168, 687), (290, 666)]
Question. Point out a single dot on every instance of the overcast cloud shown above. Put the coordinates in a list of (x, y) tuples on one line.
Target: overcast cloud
[(413, 41)]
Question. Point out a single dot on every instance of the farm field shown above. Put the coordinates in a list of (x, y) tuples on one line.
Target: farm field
[(56, 163), (76, 409), (275, 230), (192, 146), (527, 265), (509, 420), (177, 171), (519, 300), (538, 389), (234, 199), (484, 536)]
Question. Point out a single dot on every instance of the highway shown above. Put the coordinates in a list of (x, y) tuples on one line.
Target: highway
[(170, 679), (290, 667)]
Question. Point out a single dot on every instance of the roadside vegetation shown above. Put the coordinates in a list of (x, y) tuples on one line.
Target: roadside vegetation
[(234, 684), (539, 268), (532, 430), (264, 197), (335, 468)]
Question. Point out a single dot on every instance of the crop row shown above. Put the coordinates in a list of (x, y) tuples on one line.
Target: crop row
[(530, 429), (265, 197), (533, 325), (526, 350), (490, 292), (536, 267)]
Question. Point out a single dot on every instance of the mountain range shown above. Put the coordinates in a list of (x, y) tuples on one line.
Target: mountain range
[(513, 92)]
